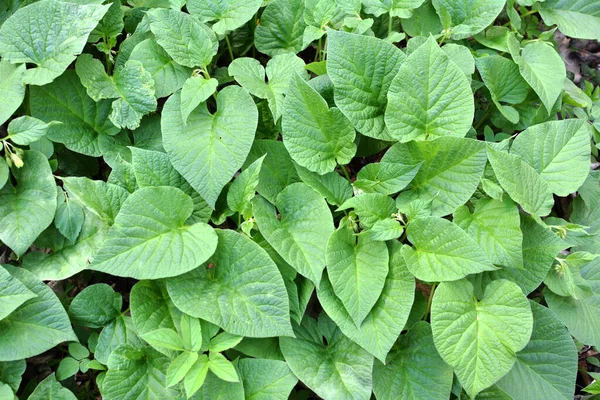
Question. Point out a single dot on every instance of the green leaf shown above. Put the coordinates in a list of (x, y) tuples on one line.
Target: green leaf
[(396, 8), (243, 189), (50, 389), (266, 379), (11, 372), (385, 177), (154, 218), (82, 119), (195, 90), (216, 388), (340, 369), (281, 28), (467, 331), (385, 229), (542, 67), (362, 69), (245, 282), (436, 102), (357, 268), (29, 207), (12, 90), (222, 367), (229, 14), (547, 366), (559, 151), (173, 30), (211, 147), (12, 294), (578, 19), (78, 351), (67, 368), (69, 219), (4, 172), (564, 279), (25, 130), (442, 251), (194, 379), (407, 372), (317, 137), (335, 188), (153, 168), (451, 171), (301, 231), (370, 208), (249, 73), (495, 225), (132, 87), (223, 341), (168, 76), (522, 183), (387, 318), (52, 42), (180, 367), (467, 19), (37, 325), (101, 198), (119, 331), (111, 25), (95, 306)]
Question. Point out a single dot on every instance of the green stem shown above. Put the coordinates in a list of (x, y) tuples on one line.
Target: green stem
[(390, 20), (527, 14), (239, 221), (431, 292), (346, 174), (229, 47), (318, 54), (487, 114)]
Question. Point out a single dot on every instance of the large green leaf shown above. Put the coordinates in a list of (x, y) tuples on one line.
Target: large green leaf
[(27, 208), (216, 388), (173, 30), (385, 177), (281, 28), (547, 366), (266, 379), (470, 332), (451, 171), (95, 306), (575, 18), (151, 307), (357, 268), (153, 168), (316, 137), (12, 293), (51, 42), (338, 370), (542, 67), (396, 8), (51, 389), (362, 69), (82, 119), (442, 251), (211, 147), (246, 284), (469, 17), (11, 373), (522, 183), (335, 188), (301, 230), (229, 14), (559, 151), (12, 90), (150, 240), (387, 318), (407, 371), (495, 225), (436, 102), (37, 325), (102, 199)]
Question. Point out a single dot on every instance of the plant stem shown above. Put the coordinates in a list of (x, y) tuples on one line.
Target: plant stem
[(429, 300), (346, 174), (487, 114), (390, 20), (229, 47), (318, 54)]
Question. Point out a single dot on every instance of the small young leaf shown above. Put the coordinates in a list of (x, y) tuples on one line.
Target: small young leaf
[(242, 190), (230, 14), (26, 130), (78, 351), (49, 389), (164, 337), (195, 377), (281, 28), (195, 90), (180, 367), (223, 341), (468, 19), (69, 219), (222, 367), (67, 368)]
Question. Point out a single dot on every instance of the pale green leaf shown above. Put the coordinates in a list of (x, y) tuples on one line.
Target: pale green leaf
[(495, 226), (407, 372), (436, 102), (101, 198), (95, 306), (245, 282), (229, 14), (4, 172), (559, 151), (180, 366), (69, 219), (470, 332), (173, 30), (50, 389), (211, 147), (362, 69), (223, 341), (281, 28), (423, 22), (547, 366), (111, 25), (216, 388), (119, 331), (12, 90), (150, 240), (29, 207), (266, 379), (301, 231), (442, 251), (357, 268), (370, 208), (195, 90), (67, 368), (396, 8), (522, 183), (385, 229), (469, 18), (12, 294), (335, 188), (222, 367), (242, 190), (316, 137), (50, 43), (37, 325), (385, 177), (575, 18), (11, 372), (194, 379)]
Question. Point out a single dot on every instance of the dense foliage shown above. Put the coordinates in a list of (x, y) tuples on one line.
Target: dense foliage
[(248, 199)]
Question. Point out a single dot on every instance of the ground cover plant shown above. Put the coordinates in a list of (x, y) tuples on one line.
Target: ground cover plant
[(337, 199)]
